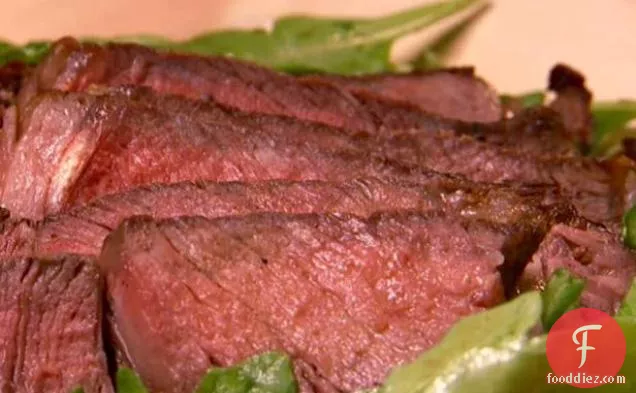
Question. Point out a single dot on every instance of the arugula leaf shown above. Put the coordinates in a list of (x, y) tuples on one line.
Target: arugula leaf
[(78, 390), (128, 381), (147, 40), (526, 100), (629, 228), (296, 43), (436, 53), (30, 53), (493, 352), (268, 373), (561, 294), (628, 308), (610, 126), (485, 340), (302, 44)]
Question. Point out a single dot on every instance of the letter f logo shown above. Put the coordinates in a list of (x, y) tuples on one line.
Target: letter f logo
[(583, 344)]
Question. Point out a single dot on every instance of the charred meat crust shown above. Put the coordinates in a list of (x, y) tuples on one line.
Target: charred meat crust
[(573, 102)]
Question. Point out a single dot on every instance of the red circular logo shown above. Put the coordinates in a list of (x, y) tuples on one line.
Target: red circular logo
[(585, 348)]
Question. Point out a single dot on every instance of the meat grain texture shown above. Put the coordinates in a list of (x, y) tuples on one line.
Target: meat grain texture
[(50, 327), (76, 147), (377, 105), (373, 292), (347, 221), (607, 267)]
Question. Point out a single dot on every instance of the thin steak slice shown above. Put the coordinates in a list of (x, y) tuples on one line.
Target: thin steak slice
[(590, 185), (599, 258), (347, 298), (329, 100), (83, 229), (50, 327), (76, 147), (73, 66), (97, 144), (454, 93)]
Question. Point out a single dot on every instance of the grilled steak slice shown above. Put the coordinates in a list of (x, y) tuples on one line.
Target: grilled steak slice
[(330, 100), (101, 144), (454, 93), (83, 229), (50, 327), (347, 298), (76, 147), (589, 184), (573, 102), (598, 257), (539, 131), (72, 66)]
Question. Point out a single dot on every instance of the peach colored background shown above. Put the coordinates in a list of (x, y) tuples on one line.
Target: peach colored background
[(513, 46)]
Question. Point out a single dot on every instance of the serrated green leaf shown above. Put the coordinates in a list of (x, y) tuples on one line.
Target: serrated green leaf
[(561, 294)]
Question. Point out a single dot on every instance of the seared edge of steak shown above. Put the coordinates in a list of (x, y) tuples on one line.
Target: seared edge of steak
[(599, 258)]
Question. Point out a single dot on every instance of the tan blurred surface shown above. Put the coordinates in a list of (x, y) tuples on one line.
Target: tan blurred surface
[(513, 46)]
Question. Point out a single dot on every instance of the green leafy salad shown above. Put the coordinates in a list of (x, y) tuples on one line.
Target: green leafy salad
[(495, 351)]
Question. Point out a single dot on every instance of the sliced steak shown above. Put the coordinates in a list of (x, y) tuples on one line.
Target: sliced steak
[(72, 66), (573, 102), (588, 183), (347, 298), (539, 131), (50, 327), (598, 257), (83, 229), (97, 144), (76, 147), (454, 93), (331, 100)]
